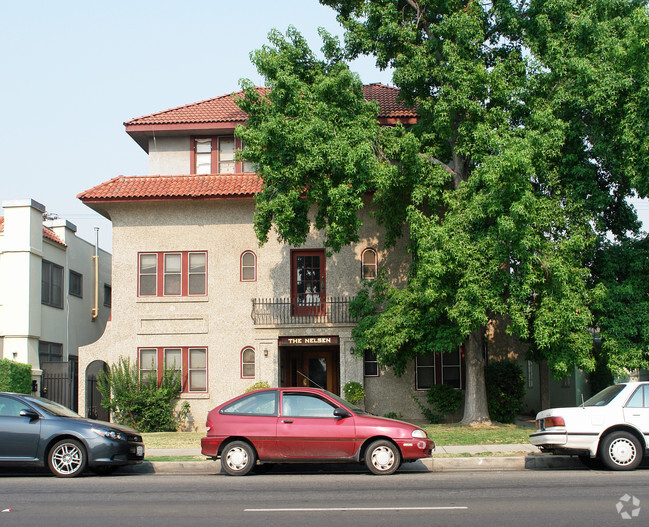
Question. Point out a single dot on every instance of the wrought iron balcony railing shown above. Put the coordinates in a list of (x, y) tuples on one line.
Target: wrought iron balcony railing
[(289, 311)]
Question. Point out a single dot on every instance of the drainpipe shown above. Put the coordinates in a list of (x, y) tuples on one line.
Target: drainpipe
[(95, 309)]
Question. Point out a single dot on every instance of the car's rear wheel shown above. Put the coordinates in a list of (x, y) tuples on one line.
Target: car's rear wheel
[(238, 458), (382, 457), (621, 451), (67, 459)]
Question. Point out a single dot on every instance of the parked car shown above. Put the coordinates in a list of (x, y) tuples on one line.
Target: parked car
[(611, 427), (35, 431), (280, 425)]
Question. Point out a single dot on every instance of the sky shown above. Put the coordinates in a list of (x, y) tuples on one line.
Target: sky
[(73, 71)]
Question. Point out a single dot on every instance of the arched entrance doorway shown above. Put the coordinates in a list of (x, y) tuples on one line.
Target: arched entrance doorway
[(94, 409)]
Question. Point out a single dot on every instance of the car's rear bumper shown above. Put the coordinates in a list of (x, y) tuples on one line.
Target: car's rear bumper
[(563, 443), (210, 446)]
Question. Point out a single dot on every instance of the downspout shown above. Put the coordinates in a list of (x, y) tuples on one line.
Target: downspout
[(95, 309)]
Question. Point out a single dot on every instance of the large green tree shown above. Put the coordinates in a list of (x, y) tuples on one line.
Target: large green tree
[(532, 134)]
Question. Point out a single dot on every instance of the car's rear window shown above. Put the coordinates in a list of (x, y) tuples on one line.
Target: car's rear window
[(261, 403), (605, 396)]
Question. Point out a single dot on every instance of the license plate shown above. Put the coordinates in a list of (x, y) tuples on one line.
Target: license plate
[(140, 451)]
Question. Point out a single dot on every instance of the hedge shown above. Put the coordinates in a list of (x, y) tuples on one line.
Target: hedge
[(15, 376)]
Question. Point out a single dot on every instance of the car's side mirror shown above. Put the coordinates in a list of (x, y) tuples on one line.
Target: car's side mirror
[(29, 413), (341, 413)]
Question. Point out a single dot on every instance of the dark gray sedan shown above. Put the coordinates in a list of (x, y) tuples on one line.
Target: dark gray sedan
[(39, 432)]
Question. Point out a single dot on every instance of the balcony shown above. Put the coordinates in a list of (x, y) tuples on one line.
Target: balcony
[(288, 311)]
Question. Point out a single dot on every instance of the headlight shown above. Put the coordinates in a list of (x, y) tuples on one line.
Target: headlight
[(420, 434), (110, 434)]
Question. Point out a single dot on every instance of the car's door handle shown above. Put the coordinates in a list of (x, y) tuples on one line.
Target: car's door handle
[(287, 421)]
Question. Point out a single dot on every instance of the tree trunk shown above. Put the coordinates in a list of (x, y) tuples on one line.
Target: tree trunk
[(544, 385), (475, 401)]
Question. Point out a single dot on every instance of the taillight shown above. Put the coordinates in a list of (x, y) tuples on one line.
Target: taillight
[(550, 422), (208, 425)]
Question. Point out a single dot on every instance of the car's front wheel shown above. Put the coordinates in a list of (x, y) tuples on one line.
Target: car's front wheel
[(67, 458), (382, 457), (238, 458), (621, 451)]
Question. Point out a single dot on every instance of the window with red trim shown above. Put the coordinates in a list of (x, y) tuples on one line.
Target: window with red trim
[(181, 273), (248, 363), (217, 155), (190, 362), (439, 368), (370, 264), (248, 267)]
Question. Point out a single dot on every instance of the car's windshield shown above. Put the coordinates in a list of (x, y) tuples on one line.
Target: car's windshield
[(51, 407), (605, 396), (347, 404)]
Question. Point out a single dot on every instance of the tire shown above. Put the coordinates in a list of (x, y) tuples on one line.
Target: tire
[(238, 458), (67, 459), (104, 470), (621, 451), (382, 457)]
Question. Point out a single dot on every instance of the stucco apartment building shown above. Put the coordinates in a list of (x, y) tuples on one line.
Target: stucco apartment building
[(193, 290), (47, 295), (192, 287)]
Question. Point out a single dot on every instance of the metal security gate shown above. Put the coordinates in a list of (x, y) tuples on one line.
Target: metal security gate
[(60, 383), (94, 408)]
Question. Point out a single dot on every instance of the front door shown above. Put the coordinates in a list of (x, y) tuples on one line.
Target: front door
[(308, 429), (19, 436), (312, 367)]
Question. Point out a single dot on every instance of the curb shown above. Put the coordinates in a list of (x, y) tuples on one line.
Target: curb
[(452, 464)]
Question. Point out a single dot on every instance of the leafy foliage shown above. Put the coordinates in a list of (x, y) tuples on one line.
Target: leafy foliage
[(142, 403), (354, 392), (444, 400), (533, 132), (505, 390), (15, 376), (259, 385)]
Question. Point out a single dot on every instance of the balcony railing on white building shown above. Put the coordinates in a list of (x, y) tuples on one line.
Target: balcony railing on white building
[(290, 311)]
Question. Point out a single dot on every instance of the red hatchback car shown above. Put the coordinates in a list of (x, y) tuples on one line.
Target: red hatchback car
[(281, 425)]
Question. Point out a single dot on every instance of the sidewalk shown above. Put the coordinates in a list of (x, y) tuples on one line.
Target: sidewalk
[(522, 457)]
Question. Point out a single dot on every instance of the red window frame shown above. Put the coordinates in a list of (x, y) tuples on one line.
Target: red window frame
[(254, 266), (184, 351), (308, 309), (161, 272), (214, 162), (375, 264), (438, 366), (248, 363)]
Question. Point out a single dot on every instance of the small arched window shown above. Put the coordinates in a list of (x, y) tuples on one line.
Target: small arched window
[(370, 264), (248, 363), (248, 267)]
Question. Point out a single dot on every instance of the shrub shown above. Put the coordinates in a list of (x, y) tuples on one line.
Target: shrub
[(393, 415), (259, 385), (505, 390), (443, 398), (15, 376), (354, 392), (142, 403)]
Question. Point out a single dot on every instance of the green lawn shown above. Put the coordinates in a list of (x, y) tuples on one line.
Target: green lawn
[(444, 435)]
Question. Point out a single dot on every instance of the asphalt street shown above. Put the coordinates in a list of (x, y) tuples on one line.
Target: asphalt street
[(530, 498)]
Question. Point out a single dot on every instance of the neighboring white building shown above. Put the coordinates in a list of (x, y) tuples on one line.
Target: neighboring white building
[(47, 294)]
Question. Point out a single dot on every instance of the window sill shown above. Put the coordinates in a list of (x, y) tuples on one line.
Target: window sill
[(170, 299), (195, 395)]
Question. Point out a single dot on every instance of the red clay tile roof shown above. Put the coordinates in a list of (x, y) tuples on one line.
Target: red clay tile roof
[(47, 233), (223, 109), (173, 187)]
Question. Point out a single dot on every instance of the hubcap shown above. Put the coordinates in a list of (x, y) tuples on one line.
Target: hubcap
[(237, 458), (382, 458), (622, 451), (67, 459)]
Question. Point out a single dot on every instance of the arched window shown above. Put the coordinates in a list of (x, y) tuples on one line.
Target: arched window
[(248, 267), (248, 363), (370, 264)]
